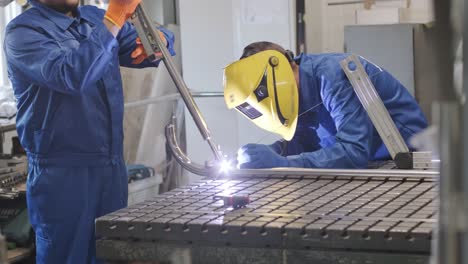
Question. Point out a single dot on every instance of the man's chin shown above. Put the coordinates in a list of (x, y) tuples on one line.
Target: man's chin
[(65, 8)]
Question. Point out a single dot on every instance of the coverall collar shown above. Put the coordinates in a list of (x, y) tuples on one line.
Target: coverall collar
[(309, 95), (61, 20), (298, 59)]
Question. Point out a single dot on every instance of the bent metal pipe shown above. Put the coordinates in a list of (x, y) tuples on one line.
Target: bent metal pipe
[(213, 171)]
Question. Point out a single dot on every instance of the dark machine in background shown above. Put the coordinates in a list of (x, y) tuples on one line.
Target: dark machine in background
[(301, 27), (14, 220)]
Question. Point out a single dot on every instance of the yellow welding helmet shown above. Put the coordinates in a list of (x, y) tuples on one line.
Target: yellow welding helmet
[(262, 87)]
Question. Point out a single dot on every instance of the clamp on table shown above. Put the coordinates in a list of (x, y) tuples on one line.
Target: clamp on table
[(381, 119)]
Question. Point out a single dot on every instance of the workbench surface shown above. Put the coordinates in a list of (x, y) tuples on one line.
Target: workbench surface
[(303, 214)]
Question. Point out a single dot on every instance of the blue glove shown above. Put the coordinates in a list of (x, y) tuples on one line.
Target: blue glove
[(277, 147), (256, 156)]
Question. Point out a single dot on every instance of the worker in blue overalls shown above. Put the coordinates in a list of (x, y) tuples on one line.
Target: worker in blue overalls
[(63, 61), (311, 104)]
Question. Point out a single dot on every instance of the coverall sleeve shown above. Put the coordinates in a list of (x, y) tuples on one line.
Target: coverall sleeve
[(47, 63), (127, 43), (354, 129)]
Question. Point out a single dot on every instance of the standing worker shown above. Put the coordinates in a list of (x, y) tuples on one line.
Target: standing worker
[(309, 101), (63, 61)]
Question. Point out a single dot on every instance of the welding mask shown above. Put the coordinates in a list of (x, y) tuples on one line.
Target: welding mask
[(262, 87)]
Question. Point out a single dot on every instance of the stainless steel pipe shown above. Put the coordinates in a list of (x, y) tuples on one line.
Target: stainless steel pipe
[(179, 82), (205, 170), (170, 97), (188, 99)]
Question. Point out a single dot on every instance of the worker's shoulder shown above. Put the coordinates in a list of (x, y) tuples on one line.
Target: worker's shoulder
[(325, 66), (322, 61), (30, 18)]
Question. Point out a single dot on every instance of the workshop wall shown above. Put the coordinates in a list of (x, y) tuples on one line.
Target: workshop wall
[(326, 19), (400, 27)]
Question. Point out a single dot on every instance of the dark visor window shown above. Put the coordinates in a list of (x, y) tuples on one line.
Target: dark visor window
[(249, 111)]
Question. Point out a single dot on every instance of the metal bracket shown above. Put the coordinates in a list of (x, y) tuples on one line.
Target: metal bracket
[(378, 113)]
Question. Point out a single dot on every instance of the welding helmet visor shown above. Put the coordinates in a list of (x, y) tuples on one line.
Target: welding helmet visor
[(262, 88)]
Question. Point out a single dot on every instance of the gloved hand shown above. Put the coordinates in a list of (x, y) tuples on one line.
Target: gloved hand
[(120, 10), (139, 54), (257, 156), (277, 147)]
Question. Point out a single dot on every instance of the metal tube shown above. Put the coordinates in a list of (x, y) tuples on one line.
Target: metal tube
[(182, 87), (170, 97), (361, 173), (187, 97), (198, 169), (152, 100), (180, 156), (207, 94)]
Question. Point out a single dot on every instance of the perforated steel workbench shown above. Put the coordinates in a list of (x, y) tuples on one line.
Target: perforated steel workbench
[(291, 219)]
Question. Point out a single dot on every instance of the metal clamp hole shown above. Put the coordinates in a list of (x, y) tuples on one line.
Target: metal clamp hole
[(351, 66), (345, 235), (324, 234)]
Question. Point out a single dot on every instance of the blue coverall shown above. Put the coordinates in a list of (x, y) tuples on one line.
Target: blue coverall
[(334, 130), (66, 78)]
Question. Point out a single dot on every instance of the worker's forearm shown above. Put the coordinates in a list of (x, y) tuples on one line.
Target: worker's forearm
[(113, 29), (340, 155)]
